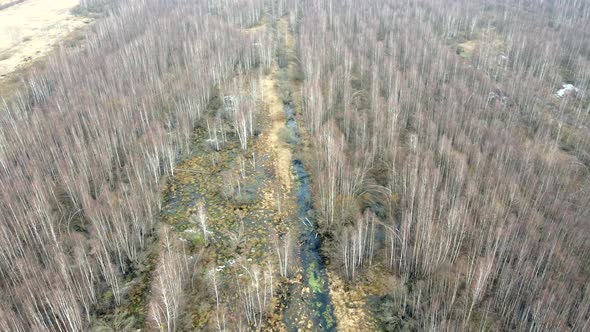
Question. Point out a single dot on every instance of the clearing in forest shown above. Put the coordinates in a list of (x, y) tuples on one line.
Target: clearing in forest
[(30, 29), (255, 203)]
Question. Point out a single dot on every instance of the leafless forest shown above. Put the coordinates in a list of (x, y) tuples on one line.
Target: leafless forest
[(149, 178)]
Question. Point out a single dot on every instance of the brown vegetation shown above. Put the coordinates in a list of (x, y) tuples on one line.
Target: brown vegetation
[(454, 170), (84, 150), (451, 183)]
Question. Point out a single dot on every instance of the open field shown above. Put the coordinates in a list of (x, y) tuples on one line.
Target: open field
[(30, 29)]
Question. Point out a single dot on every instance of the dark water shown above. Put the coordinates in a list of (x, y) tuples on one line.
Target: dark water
[(315, 276)]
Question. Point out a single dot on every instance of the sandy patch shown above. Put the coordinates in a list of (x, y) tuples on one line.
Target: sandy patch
[(260, 27), (283, 25), (274, 105), (30, 29)]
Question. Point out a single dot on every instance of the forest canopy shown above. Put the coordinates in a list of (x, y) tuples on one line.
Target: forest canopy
[(302, 165)]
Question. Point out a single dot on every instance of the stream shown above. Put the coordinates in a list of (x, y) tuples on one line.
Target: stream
[(317, 306)]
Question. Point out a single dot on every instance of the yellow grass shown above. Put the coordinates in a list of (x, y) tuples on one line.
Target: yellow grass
[(274, 105), (486, 38), (350, 306), (467, 48), (30, 29)]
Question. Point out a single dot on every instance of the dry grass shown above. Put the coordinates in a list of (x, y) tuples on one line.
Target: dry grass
[(466, 48), (350, 302), (486, 38), (280, 149), (350, 306), (29, 30), (274, 106)]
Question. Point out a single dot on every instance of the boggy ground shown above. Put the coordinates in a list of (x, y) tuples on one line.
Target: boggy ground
[(253, 209), (247, 198), (350, 302), (253, 201)]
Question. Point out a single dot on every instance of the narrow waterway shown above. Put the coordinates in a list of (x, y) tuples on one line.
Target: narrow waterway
[(315, 292)]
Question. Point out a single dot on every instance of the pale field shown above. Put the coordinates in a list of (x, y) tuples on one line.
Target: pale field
[(3, 2), (30, 30)]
